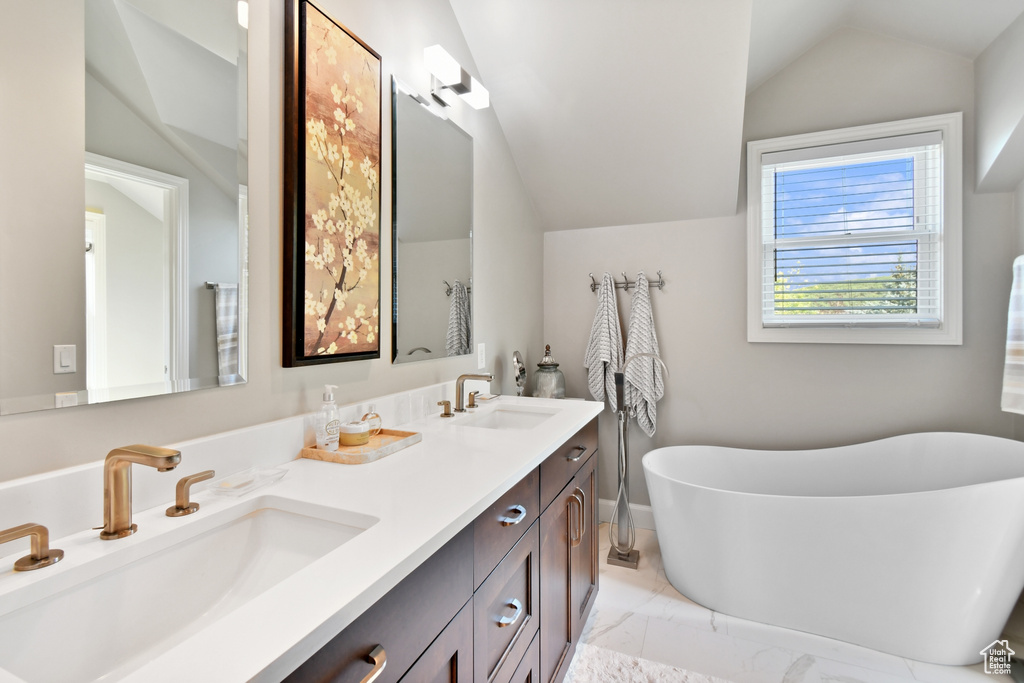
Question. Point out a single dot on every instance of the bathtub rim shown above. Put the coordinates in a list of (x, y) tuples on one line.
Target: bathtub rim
[(647, 468)]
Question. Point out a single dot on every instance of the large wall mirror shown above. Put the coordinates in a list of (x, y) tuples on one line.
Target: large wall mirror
[(433, 230), (140, 287)]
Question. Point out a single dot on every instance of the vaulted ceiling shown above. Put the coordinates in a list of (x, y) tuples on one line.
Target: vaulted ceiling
[(623, 113)]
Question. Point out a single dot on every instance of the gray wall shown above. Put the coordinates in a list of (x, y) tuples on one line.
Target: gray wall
[(723, 390), (506, 228), (42, 192)]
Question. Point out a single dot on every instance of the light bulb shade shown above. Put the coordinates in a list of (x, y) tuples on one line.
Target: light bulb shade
[(477, 97), (449, 74), (442, 65)]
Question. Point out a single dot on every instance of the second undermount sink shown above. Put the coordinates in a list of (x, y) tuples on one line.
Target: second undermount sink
[(106, 627), (509, 417)]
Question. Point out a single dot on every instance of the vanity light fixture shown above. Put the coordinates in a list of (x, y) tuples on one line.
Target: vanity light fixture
[(243, 14), (427, 104), (446, 73)]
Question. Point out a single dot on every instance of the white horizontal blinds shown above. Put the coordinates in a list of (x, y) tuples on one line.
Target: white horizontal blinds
[(852, 233)]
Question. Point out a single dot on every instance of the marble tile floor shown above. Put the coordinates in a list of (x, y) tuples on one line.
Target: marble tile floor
[(639, 613)]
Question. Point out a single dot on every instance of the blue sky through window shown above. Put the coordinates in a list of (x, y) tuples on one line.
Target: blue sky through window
[(844, 199), (841, 200)]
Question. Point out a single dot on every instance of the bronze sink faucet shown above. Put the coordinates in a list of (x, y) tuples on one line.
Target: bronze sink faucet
[(117, 484)]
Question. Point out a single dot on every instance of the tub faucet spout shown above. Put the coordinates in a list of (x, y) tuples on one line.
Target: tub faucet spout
[(117, 484)]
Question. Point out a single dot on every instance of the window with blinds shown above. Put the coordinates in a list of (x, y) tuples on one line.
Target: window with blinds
[(852, 234)]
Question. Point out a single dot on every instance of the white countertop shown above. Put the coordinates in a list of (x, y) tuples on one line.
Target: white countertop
[(423, 496)]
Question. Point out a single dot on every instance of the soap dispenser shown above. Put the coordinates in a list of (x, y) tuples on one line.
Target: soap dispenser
[(328, 421), (548, 381)]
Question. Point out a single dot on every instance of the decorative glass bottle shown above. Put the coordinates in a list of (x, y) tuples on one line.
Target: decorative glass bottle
[(548, 381)]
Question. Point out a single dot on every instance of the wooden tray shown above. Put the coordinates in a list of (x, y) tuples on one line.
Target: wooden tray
[(383, 444)]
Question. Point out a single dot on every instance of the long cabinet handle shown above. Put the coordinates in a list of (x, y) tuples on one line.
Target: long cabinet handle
[(379, 658), (509, 520), (575, 530), (581, 449), (508, 621), (583, 511)]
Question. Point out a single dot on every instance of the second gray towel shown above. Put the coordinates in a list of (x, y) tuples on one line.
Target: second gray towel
[(644, 383)]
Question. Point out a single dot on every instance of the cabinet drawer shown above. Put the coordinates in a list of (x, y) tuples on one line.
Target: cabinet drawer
[(449, 659), (503, 524), (506, 611), (559, 467), (528, 670), (404, 622)]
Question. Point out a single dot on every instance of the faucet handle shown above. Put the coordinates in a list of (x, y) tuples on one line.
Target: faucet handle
[(41, 554), (472, 399), (447, 405), (182, 506)]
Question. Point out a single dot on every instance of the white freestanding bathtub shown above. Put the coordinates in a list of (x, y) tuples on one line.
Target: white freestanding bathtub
[(912, 545)]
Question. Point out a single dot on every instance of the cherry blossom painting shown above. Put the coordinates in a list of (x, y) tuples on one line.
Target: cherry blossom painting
[(332, 192)]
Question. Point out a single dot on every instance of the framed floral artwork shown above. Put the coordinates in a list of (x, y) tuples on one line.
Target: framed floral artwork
[(332, 151)]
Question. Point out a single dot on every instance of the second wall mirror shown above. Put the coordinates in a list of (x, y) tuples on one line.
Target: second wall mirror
[(433, 227)]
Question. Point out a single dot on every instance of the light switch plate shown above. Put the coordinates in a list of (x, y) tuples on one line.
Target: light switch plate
[(64, 359), (481, 356)]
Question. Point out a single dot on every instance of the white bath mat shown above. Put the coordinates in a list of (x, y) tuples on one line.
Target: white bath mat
[(593, 664)]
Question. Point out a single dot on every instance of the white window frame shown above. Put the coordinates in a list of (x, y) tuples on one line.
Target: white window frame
[(949, 331)]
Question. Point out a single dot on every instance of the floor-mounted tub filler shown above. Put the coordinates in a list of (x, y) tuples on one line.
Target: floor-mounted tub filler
[(911, 545)]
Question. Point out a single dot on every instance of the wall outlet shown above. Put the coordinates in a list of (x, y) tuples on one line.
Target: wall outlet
[(65, 399), (481, 356)]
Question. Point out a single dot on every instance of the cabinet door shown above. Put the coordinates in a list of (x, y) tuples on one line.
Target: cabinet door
[(449, 659), (569, 569), (555, 625), (583, 556)]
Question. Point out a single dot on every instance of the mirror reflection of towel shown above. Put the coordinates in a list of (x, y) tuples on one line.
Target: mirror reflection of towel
[(457, 341), (226, 303), (1013, 368)]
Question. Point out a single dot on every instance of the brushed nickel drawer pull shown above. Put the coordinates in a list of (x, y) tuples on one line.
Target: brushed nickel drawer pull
[(379, 658), (508, 621), (581, 449), (508, 520), (583, 511)]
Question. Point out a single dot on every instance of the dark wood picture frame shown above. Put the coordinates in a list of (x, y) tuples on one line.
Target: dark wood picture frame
[(332, 161)]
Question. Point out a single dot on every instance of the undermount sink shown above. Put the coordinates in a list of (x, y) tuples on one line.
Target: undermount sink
[(508, 417), (106, 627)]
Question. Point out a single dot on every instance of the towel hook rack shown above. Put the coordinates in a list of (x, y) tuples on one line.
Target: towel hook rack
[(626, 284), (448, 288)]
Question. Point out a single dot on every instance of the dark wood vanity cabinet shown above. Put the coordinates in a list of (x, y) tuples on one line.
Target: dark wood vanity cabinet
[(503, 602), (569, 569)]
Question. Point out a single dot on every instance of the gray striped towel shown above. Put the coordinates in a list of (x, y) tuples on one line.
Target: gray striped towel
[(226, 309), (604, 349), (457, 341), (644, 383), (1013, 370)]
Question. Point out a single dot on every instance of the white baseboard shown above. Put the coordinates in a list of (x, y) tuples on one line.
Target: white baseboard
[(643, 517)]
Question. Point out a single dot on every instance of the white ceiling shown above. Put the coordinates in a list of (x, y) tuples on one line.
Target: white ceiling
[(623, 113), (616, 112), (782, 30)]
